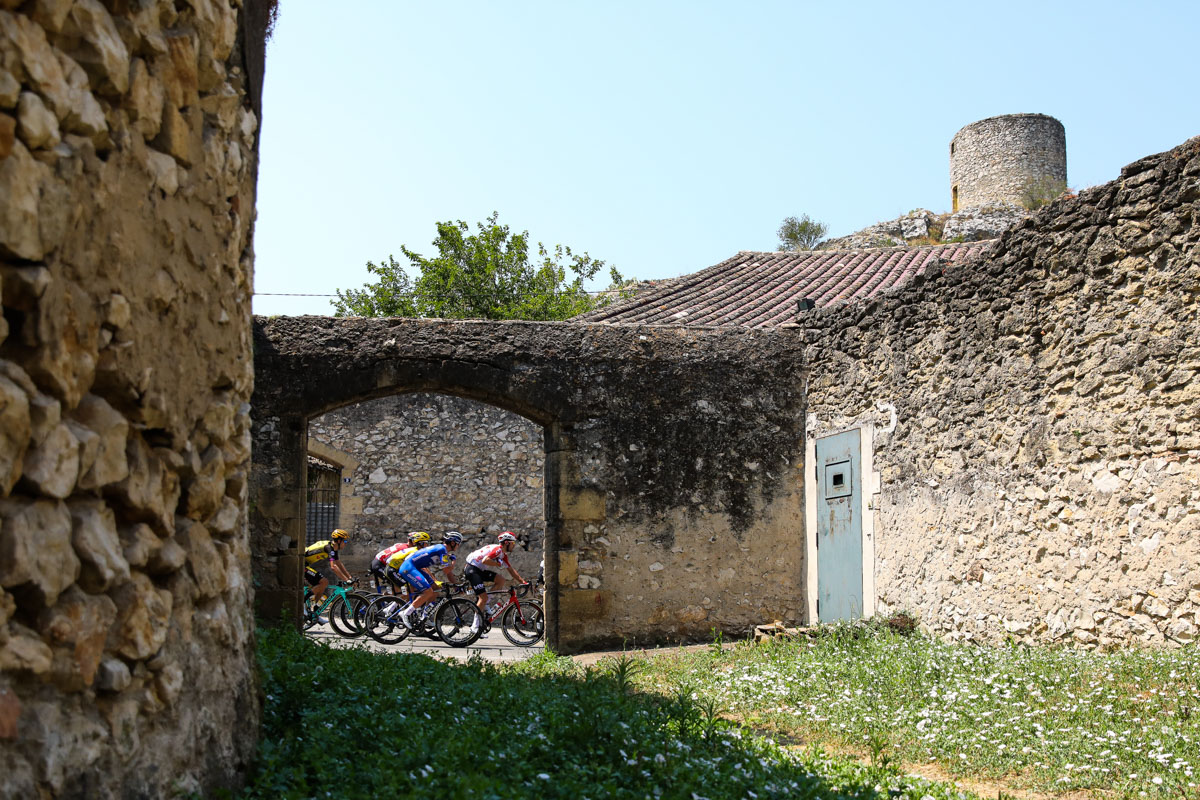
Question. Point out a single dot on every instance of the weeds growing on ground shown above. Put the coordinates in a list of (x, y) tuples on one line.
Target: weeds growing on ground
[(1052, 719), (353, 723)]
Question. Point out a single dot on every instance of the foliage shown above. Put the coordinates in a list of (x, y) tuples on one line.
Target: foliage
[(490, 274), (800, 234), (1043, 191), (1123, 724), (354, 723)]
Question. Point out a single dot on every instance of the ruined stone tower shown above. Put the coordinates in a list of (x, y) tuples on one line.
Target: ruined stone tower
[(994, 160)]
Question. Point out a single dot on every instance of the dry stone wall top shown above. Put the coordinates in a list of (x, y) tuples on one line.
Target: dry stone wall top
[(127, 174)]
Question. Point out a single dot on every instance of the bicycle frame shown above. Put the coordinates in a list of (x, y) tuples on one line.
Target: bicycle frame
[(331, 593), (511, 601)]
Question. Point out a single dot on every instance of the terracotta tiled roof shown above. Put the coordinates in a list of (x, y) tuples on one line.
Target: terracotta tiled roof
[(759, 290)]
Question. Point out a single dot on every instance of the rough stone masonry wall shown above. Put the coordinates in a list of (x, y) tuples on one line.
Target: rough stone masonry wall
[(993, 160), (127, 164), (1037, 419), (435, 463), (673, 457)]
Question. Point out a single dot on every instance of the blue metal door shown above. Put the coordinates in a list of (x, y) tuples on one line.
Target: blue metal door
[(839, 528)]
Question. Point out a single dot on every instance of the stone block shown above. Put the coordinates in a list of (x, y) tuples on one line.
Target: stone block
[(148, 491), (226, 520), (168, 558), (20, 179), (580, 503), (139, 543), (144, 615), (36, 124), (204, 561), (52, 466), (97, 544), (38, 59), (568, 571), (278, 503), (580, 604), (14, 433), (35, 548), (24, 651), (10, 90), (51, 14), (80, 621), (112, 675), (179, 71), (112, 429), (205, 490), (102, 52)]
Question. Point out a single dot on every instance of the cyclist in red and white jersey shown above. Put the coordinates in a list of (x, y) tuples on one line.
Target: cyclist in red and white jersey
[(379, 562), (484, 564)]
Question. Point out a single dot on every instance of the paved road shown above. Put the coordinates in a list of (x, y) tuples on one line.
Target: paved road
[(492, 645)]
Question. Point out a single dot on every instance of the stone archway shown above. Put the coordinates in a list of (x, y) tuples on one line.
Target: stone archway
[(673, 498)]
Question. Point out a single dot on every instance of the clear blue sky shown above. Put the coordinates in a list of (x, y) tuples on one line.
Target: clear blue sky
[(664, 137)]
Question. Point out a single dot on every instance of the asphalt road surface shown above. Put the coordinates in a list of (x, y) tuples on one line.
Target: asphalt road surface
[(491, 646)]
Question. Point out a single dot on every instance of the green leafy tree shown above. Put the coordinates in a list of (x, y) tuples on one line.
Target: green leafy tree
[(800, 234), (490, 274)]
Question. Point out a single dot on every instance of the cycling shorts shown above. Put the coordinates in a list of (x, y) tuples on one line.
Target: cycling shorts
[(314, 576), (378, 568), (415, 578), (477, 577)]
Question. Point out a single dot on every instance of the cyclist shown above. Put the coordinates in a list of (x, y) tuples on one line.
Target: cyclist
[(484, 564), (378, 567), (319, 554), (415, 568)]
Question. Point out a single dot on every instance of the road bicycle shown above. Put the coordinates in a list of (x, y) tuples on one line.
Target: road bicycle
[(523, 622), (381, 618), (336, 605)]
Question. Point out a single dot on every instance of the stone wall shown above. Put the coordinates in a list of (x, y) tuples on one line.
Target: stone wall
[(127, 169), (1037, 421), (992, 161), (435, 463), (673, 458)]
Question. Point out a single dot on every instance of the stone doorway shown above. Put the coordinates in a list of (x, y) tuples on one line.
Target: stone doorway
[(435, 462)]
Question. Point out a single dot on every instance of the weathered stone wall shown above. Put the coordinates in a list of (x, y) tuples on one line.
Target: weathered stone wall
[(127, 164), (673, 456), (993, 160), (1037, 419), (430, 462)]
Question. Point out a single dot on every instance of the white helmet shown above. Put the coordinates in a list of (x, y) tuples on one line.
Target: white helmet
[(507, 536)]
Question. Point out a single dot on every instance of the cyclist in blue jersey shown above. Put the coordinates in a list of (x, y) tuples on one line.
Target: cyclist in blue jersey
[(417, 572)]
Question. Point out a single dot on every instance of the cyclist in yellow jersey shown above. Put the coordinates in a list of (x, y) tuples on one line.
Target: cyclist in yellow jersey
[(320, 554)]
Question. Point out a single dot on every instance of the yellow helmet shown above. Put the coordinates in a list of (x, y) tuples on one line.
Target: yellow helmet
[(418, 537), (339, 534)]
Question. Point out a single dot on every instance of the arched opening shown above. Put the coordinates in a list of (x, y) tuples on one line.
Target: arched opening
[(436, 462), (954, 199)]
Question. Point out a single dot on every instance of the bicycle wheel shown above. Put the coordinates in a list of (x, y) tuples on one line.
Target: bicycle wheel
[(358, 607), (341, 617), (524, 626), (458, 622), (382, 622)]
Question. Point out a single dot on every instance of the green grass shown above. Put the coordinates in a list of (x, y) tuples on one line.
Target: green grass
[(1125, 723), (351, 723)]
